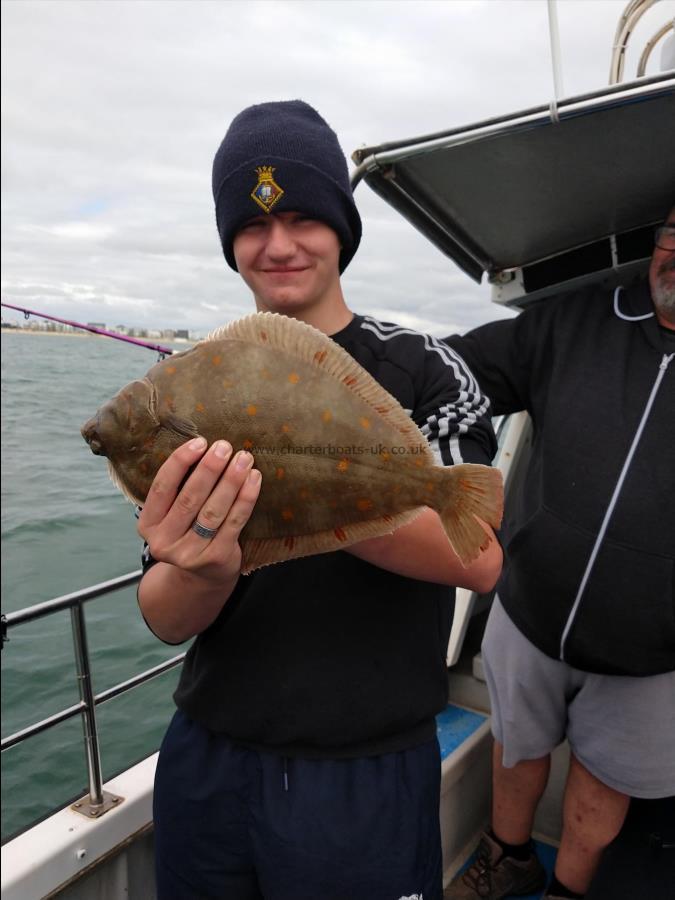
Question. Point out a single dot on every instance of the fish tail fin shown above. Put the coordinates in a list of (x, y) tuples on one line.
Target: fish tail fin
[(476, 492)]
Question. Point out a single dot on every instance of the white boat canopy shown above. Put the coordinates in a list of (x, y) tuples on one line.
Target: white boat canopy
[(553, 195)]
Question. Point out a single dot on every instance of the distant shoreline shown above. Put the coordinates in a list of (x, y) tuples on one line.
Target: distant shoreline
[(90, 334), (77, 334)]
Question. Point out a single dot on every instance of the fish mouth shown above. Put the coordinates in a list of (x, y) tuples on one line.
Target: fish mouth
[(89, 432)]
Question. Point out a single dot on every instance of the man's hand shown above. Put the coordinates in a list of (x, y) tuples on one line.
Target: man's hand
[(195, 575), (220, 494)]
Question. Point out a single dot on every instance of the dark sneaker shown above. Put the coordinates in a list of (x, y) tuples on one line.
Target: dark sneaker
[(492, 875)]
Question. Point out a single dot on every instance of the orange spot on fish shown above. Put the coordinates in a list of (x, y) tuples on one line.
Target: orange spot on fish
[(280, 473), (286, 428), (216, 360), (419, 463), (385, 456), (170, 370), (287, 515), (339, 534), (343, 465), (200, 407), (320, 356), (169, 403), (263, 335), (252, 410), (430, 486), (265, 373), (294, 378), (364, 504), (226, 383), (326, 415), (162, 457), (388, 519), (364, 422), (383, 410), (247, 444), (349, 380)]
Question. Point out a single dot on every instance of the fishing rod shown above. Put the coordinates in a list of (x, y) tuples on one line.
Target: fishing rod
[(163, 351)]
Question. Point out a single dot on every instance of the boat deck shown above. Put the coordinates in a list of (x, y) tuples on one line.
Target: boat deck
[(639, 865), (86, 857), (454, 725)]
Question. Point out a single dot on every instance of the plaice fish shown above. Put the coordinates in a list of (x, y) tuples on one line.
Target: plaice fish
[(341, 460)]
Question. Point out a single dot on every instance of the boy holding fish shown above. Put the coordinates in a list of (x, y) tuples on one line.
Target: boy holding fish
[(302, 761)]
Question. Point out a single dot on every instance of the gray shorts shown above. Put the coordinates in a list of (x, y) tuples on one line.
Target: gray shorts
[(622, 729)]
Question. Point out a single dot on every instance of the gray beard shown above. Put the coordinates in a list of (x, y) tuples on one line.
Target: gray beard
[(663, 296)]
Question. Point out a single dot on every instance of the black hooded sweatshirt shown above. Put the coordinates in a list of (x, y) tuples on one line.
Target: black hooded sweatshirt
[(590, 544)]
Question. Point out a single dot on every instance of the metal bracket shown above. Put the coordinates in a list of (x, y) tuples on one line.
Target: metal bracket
[(95, 810)]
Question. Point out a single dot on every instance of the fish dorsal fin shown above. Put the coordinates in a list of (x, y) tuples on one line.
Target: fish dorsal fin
[(307, 344)]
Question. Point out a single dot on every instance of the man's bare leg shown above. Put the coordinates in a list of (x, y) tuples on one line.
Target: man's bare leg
[(592, 817), (515, 795)]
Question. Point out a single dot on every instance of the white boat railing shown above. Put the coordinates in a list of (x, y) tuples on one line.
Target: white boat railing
[(97, 801)]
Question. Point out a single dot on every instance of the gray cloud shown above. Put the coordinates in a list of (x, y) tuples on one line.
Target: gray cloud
[(112, 113)]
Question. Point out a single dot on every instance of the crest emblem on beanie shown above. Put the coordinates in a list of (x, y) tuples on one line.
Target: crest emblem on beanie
[(266, 192)]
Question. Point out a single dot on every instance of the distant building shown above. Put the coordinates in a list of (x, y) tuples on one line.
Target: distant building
[(182, 333), (98, 325)]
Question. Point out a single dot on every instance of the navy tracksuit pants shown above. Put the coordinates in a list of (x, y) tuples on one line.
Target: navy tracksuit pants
[(237, 824)]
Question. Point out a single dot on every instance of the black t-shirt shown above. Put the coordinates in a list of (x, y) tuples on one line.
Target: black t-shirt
[(329, 656)]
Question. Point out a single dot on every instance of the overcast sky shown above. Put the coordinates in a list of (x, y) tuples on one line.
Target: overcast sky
[(112, 112)]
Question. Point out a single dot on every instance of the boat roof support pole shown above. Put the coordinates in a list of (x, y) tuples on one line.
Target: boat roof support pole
[(554, 33)]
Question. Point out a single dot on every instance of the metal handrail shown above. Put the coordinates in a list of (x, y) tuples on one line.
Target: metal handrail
[(631, 15), (98, 801), (651, 43)]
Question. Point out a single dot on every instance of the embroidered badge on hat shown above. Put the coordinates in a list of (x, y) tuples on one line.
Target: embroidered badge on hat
[(266, 192)]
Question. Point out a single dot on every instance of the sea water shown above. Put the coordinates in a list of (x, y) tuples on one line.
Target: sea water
[(66, 527)]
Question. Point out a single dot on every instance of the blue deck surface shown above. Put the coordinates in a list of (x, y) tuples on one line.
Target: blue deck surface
[(455, 725)]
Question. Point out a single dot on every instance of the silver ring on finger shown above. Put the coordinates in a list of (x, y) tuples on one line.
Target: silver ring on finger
[(203, 531)]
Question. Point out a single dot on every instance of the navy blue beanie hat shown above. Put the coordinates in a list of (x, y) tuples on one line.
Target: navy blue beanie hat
[(279, 157)]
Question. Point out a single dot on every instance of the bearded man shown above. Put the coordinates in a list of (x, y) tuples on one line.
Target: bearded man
[(580, 643)]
